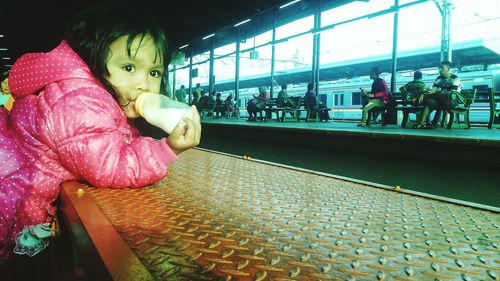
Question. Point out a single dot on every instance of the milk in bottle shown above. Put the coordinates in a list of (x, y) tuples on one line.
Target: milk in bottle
[(161, 111)]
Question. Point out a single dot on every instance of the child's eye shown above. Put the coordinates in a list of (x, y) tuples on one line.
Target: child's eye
[(155, 73), (128, 68)]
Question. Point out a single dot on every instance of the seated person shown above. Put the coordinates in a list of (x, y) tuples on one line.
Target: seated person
[(377, 97), (414, 90), (197, 94), (283, 100), (230, 104), (207, 103), (314, 105), (202, 102), (212, 97), (220, 107), (445, 94), (257, 103)]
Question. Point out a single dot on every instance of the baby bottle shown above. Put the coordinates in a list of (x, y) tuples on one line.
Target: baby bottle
[(161, 111)]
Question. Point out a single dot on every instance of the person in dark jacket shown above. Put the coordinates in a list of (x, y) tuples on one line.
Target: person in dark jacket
[(414, 91), (314, 105)]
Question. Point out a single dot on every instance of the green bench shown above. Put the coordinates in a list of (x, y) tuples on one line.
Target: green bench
[(462, 109), (494, 109)]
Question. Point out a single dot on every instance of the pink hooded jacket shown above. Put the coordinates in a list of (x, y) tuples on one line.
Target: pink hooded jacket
[(65, 126)]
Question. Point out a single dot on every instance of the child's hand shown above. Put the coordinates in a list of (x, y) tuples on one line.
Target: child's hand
[(186, 134)]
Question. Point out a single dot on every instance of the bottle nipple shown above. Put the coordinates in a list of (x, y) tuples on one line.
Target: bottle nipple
[(139, 102)]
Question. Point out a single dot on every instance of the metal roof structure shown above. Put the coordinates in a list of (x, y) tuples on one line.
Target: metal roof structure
[(33, 26)]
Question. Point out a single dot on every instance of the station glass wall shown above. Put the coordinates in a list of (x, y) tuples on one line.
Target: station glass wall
[(365, 39)]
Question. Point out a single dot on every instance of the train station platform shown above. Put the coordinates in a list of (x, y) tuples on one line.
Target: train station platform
[(223, 217), (459, 163), (476, 135)]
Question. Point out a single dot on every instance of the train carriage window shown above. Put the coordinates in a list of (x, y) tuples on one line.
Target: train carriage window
[(336, 102), (322, 98), (342, 99), (481, 88), (356, 98)]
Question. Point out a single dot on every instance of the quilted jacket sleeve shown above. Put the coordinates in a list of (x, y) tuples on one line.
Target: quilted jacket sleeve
[(89, 133)]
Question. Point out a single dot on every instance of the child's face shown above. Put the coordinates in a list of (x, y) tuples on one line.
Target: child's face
[(5, 86), (134, 75)]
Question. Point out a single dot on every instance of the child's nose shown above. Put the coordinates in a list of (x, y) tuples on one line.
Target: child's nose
[(142, 84)]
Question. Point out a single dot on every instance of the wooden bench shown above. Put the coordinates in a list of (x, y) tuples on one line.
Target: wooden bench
[(311, 115), (268, 110), (494, 109), (454, 114), (399, 103), (232, 112), (396, 103), (293, 111), (272, 106), (407, 108)]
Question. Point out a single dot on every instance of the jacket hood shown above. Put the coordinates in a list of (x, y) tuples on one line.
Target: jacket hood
[(33, 71)]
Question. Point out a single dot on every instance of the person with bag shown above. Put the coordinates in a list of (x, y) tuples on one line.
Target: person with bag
[(376, 98), (258, 103)]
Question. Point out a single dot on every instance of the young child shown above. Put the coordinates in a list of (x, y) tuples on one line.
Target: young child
[(73, 120)]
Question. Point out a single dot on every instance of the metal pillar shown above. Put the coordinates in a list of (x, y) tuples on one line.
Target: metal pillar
[(211, 77), (237, 68), (316, 48), (190, 78), (273, 51), (445, 11), (174, 75), (395, 47)]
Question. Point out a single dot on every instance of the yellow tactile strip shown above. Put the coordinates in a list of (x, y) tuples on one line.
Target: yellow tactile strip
[(217, 217)]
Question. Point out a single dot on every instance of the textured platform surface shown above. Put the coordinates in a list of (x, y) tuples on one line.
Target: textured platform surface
[(217, 217)]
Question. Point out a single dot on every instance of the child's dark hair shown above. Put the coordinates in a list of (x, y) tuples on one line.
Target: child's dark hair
[(92, 31)]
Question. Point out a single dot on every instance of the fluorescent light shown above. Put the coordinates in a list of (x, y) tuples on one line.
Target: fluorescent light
[(289, 3), (1, 35), (3, 49), (240, 23), (183, 46), (6, 58), (208, 36)]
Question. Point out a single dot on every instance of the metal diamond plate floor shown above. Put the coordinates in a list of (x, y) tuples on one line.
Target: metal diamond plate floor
[(217, 217)]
